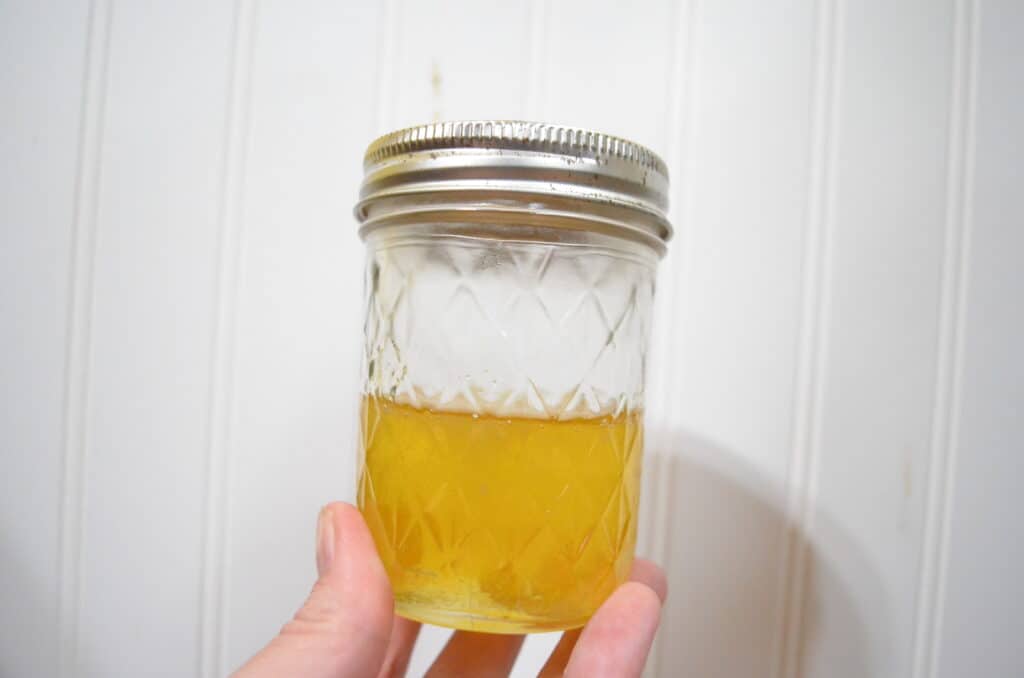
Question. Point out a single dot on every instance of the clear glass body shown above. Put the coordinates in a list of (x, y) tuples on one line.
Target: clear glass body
[(501, 424)]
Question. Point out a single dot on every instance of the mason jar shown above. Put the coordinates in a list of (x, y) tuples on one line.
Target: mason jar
[(510, 270)]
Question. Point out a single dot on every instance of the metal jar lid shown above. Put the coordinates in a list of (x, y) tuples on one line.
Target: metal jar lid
[(514, 172)]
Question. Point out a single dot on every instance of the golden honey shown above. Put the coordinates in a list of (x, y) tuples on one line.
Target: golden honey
[(500, 524)]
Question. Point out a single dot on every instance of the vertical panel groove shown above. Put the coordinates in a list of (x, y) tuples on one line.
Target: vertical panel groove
[(387, 45), (535, 89), (213, 596), (650, 537), (84, 229), (682, 159), (952, 324), (813, 338)]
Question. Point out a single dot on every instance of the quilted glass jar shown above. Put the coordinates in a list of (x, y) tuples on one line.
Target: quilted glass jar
[(509, 285)]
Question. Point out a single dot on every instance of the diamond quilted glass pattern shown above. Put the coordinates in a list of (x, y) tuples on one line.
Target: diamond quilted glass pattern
[(507, 328), (501, 428)]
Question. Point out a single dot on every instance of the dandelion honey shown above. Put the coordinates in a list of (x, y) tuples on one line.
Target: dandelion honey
[(500, 524)]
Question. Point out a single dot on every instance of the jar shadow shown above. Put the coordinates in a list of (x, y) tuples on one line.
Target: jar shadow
[(31, 645), (737, 604)]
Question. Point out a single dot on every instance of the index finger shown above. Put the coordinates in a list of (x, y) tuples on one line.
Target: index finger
[(644, 572), (617, 639)]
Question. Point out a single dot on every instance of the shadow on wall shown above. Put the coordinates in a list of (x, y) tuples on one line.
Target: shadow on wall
[(724, 555), (33, 608)]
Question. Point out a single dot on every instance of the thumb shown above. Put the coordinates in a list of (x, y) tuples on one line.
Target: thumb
[(343, 628)]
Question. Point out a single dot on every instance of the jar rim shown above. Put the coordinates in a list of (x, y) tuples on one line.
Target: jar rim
[(535, 169)]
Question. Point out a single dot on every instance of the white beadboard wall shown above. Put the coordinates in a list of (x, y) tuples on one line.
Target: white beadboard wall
[(835, 405)]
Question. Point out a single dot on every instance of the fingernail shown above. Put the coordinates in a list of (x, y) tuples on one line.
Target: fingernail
[(324, 541)]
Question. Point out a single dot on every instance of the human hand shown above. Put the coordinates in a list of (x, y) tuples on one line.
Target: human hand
[(347, 627)]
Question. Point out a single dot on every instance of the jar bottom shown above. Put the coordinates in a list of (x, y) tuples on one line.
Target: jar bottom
[(503, 525), (482, 623)]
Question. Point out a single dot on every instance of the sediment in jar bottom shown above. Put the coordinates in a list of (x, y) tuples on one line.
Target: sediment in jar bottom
[(500, 524)]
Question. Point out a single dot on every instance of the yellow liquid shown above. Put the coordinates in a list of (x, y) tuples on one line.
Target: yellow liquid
[(497, 524)]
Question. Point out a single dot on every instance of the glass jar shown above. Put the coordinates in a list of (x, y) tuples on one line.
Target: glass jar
[(509, 286)]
